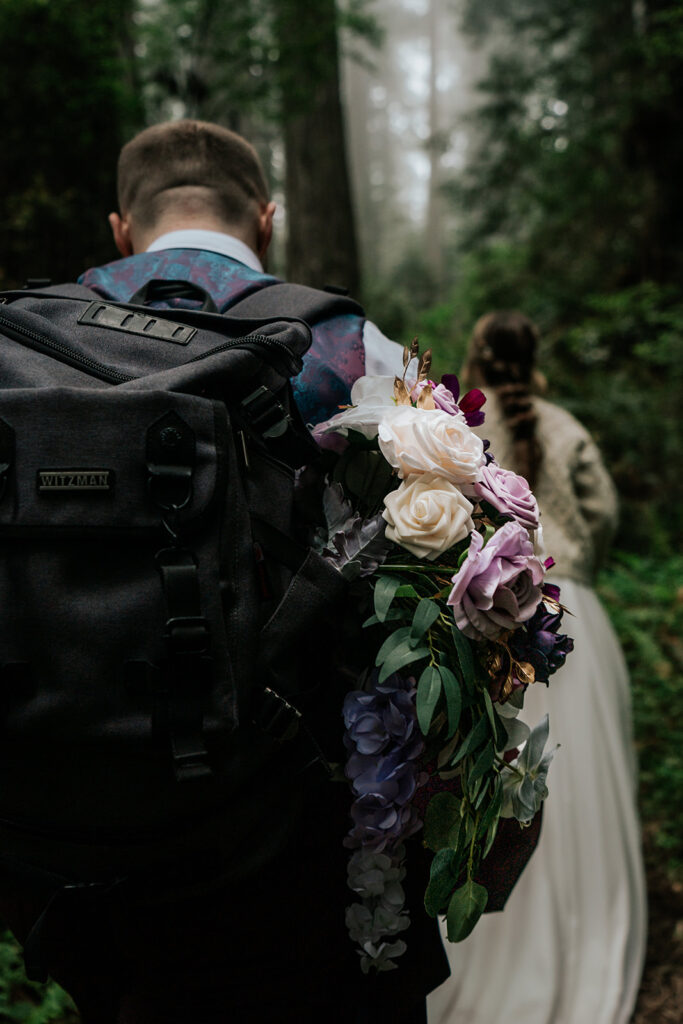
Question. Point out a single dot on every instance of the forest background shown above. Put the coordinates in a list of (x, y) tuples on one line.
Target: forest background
[(440, 158)]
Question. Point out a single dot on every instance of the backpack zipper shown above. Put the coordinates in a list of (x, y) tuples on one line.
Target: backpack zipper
[(115, 376)]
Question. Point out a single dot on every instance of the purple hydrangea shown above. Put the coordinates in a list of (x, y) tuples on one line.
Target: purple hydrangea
[(498, 586), (384, 744)]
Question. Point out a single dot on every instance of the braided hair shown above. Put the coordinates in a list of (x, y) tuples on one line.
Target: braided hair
[(502, 355)]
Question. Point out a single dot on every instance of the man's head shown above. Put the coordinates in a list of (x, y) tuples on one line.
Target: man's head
[(184, 174)]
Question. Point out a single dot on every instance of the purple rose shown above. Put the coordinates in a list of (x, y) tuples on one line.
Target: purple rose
[(509, 493), (498, 585)]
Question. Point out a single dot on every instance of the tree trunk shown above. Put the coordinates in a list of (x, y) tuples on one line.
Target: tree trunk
[(321, 239), (434, 219)]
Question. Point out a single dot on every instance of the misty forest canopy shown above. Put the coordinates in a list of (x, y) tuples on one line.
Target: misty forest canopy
[(439, 157)]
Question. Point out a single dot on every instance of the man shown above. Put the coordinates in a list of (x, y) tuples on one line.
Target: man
[(194, 206), (272, 948)]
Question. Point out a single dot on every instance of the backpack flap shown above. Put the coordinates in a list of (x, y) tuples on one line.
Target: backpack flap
[(115, 667)]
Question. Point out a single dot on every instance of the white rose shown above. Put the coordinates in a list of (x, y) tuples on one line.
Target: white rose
[(427, 515), (372, 400), (431, 441)]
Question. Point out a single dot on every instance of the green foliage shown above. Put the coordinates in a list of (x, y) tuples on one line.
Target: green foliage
[(24, 1002), (67, 101), (644, 598), (466, 906)]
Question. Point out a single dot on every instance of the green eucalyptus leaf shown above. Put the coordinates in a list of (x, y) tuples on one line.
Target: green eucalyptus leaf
[(492, 812), (406, 590), (426, 614), (428, 693), (443, 877), (466, 906), (499, 733), (479, 734), (483, 763), (400, 658), (493, 829), (397, 638), (385, 592), (393, 615), (481, 796), (464, 651), (442, 815), (451, 688), (473, 790)]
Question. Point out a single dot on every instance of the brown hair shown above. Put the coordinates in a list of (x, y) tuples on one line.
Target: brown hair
[(502, 354), (190, 163)]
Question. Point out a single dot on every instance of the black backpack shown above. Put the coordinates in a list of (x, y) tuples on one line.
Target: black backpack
[(162, 626)]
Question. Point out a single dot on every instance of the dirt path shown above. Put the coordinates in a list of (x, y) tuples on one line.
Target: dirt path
[(661, 994)]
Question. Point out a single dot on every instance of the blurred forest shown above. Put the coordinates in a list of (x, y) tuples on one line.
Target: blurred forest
[(440, 158)]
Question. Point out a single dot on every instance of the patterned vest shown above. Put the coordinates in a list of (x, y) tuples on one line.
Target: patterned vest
[(335, 360)]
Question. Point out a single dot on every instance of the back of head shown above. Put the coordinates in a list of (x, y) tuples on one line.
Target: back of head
[(502, 354), (190, 168)]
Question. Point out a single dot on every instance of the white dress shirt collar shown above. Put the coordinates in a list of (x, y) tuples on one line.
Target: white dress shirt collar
[(209, 241)]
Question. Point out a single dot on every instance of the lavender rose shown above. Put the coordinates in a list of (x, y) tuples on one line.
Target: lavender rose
[(509, 493), (498, 586)]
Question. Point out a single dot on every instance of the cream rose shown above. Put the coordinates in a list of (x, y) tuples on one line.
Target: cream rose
[(427, 515), (431, 441)]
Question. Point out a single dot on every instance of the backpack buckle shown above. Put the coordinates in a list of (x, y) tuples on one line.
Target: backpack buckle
[(265, 414), (188, 634)]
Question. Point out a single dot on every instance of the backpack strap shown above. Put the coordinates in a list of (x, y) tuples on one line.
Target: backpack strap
[(295, 300)]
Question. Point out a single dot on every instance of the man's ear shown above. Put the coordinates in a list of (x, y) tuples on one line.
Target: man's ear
[(265, 228), (120, 229)]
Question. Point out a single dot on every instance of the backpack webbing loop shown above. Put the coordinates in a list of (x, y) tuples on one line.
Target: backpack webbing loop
[(187, 641), (170, 462)]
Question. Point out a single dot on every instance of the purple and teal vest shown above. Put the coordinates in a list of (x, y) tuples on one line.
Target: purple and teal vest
[(334, 361)]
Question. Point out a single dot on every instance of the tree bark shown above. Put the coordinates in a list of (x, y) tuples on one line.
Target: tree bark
[(321, 239), (434, 219)]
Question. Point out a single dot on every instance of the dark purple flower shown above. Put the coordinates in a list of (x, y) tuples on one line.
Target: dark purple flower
[(539, 642), (470, 404)]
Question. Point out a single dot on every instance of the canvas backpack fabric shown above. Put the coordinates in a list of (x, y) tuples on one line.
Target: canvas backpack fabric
[(166, 640), (336, 357)]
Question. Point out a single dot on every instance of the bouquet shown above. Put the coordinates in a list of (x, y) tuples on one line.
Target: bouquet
[(444, 547)]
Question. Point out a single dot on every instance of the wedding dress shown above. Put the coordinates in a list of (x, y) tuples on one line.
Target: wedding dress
[(570, 944)]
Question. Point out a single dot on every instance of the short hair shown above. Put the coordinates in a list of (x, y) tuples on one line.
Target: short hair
[(190, 163)]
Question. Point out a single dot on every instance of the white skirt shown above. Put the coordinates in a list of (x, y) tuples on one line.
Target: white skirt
[(570, 944)]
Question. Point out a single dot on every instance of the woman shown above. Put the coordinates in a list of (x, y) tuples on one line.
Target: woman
[(569, 947)]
